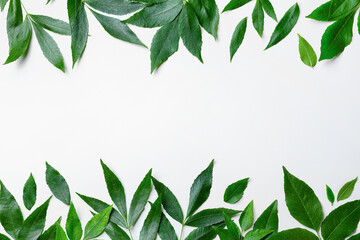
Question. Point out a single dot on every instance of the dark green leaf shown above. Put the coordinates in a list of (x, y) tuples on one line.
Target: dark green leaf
[(115, 232), (52, 52), (234, 4), (336, 37), (73, 224), (79, 28), (169, 201), (190, 31), (236, 41), (140, 199), (3, 237), (232, 227), (269, 218), (156, 15), (97, 224), (200, 189), (358, 24), (34, 224), (166, 230), (117, 29), (164, 44), (302, 202), (209, 217), (235, 191), (11, 217), (346, 190), (285, 25), (50, 233), (247, 217), (330, 195), (334, 10), (29, 192), (115, 189), (269, 9), (307, 53), (341, 222), (355, 237), (208, 15), (206, 233), (294, 234), (152, 222), (60, 233), (53, 25), (100, 206), (257, 234), (224, 234), (258, 18), (57, 184), (115, 7)]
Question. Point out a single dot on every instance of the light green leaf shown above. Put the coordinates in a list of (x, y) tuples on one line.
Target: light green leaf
[(247, 217), (97, 224), (206, 233), (208, 15), (330, 195), (51, 24), (307, 53), (3, 4), (190, 31), (232, 227), (294, 234), (117, 29), (52, 52), (200, 189), (29, 192), (234, 4), (73, 224), (269, 9), (258, 18), (57, 184), (257, 234), (152, 222), (334, 10), (346, 190), (156, 15), (341, 222), (336, 37), (115, 232), (115, 7), (224, 234), (285, 25), (166, 230), (209, 217), (140, 199), (164, 44), (302, 202), (236, 41), (269, 219), (235, 191), (60, 233)]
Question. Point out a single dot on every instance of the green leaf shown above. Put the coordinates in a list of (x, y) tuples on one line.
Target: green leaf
[(115, 7), (169, 201), (115, 232), (355, 237), (97, 224), (3, 4), (307, 53), (209, 217), (269, 219), (34, 224), (200, 189), (164, 44), (336, 37), (100, 206), (206, 233), (294, 234), (152, 222), (51, 24), (341, 222), (258, 18), (117, 29), (302, 202), (208, 15), (79, 26), (257, 234), (334, 10), (29, 192), (57, 184), (3, 237), (269, 9), (11, 217), (60, 233), (330, 195), (285, 25), (166, 230), (190, 31), (19, 35), (234, 4), (50, 233), (73, 224), (156, 15), (232, 227), (140, 199), (236, 41), (358, 24), (235, 191), (247, 217), (52, 52), (346, 190), (115, 189), (224, 234)]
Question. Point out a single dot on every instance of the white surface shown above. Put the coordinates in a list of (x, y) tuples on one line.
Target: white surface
[(264, 110)]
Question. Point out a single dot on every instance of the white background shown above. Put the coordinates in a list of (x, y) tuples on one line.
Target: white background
[(263, 111)]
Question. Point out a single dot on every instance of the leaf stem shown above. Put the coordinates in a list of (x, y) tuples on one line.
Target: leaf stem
[(182, 231), (131, 236)]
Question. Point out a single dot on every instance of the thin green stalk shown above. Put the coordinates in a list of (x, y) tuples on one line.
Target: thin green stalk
[(182, 230)]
